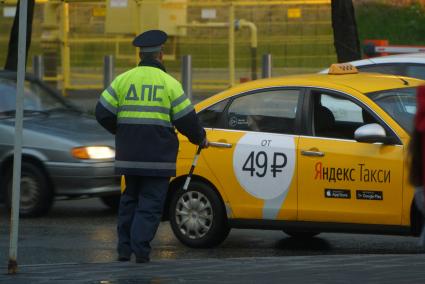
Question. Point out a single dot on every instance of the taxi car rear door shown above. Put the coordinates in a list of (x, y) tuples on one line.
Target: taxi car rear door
[(258, 173), (342, 180)]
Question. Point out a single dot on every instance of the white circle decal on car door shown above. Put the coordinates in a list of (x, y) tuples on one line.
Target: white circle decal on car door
[(264, 164)]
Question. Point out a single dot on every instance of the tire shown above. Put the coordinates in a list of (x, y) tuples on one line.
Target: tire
[(36, 195), (112, 201), (196, 231), (301, 234)]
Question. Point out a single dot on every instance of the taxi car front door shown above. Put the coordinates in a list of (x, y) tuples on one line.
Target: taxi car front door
[(258, 173), (340, 179)]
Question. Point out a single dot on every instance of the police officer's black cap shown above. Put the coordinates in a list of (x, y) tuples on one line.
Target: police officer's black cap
[(150, 41)]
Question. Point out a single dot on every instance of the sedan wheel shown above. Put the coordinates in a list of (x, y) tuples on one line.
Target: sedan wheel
[(36, 195), (197, 216)]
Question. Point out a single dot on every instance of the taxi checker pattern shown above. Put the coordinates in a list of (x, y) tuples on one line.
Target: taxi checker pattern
[(307, 154)]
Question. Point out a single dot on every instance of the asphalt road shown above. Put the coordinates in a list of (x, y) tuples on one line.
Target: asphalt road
[(85, 231)]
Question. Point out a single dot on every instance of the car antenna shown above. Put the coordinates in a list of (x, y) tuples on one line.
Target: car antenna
[(404, 81)]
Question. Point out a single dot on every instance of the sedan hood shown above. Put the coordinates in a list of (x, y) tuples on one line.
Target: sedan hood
[(82, 129)]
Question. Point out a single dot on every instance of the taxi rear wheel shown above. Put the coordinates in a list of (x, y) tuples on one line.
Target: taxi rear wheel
[(198, 217), (301, 234)]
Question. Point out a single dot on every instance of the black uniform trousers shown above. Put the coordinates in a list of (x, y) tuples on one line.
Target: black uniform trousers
[(140, 213)]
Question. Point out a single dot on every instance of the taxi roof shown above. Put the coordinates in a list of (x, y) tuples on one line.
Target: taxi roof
[(361, 82)]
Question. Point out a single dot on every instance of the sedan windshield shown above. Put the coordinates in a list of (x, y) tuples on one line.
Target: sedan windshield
[(36, 98), (400, 104)]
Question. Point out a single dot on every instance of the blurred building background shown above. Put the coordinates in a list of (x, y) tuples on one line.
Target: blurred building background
[(74, 36), (299, 37)]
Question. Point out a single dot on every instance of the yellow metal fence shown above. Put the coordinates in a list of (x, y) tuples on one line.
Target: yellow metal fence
[(298, 35)]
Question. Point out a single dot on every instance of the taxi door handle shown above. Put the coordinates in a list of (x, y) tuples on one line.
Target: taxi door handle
[(312, 153), (220, 145)]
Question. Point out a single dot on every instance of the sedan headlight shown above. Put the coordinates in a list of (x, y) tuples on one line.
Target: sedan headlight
[(93, 152)]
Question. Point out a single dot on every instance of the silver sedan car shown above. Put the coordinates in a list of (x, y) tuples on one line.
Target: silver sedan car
[(65, 153), (409, 65)]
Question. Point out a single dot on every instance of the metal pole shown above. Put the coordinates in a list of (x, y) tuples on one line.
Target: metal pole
[(12, 267), (108, 70), (232, 44), (187, 75), (38, 66), (195, 159), (267, 66), (65, 49), (192, 168), (253, 63)]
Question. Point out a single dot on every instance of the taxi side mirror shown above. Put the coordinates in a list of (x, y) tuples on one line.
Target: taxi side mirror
[(372, 133)]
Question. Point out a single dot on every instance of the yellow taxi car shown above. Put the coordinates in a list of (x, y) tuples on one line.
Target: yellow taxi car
[(304, 154)]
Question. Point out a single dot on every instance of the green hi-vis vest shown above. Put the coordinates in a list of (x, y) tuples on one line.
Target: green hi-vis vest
[(146, 95)]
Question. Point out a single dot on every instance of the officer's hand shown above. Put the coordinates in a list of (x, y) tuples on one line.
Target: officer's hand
[(205, 144)]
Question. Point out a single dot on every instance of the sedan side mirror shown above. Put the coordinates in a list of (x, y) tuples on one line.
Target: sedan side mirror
[(372, 133)]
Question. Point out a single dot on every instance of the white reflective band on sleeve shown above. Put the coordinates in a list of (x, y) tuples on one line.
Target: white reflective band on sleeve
[(183, 112), (107, 105), (195, 161), (111, 91), (179, 100), (186, 184)]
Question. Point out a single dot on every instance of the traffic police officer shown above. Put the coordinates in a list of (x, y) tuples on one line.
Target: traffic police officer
[(141, 107)]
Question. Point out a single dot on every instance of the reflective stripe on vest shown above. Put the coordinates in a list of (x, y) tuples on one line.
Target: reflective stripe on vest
[(158, 109), (145, 121), (109, 100), (106, 104), (111, 91), (146, 95), (180, 107)]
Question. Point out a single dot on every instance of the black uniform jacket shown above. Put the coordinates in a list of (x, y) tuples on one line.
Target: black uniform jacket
[(149, 150)]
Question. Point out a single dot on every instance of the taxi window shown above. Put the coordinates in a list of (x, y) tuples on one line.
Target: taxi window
[(400, 104), (416, 71), (337, 116), (35, 97), (212, 116), (393, 69), (267, 111), (7, 95)]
